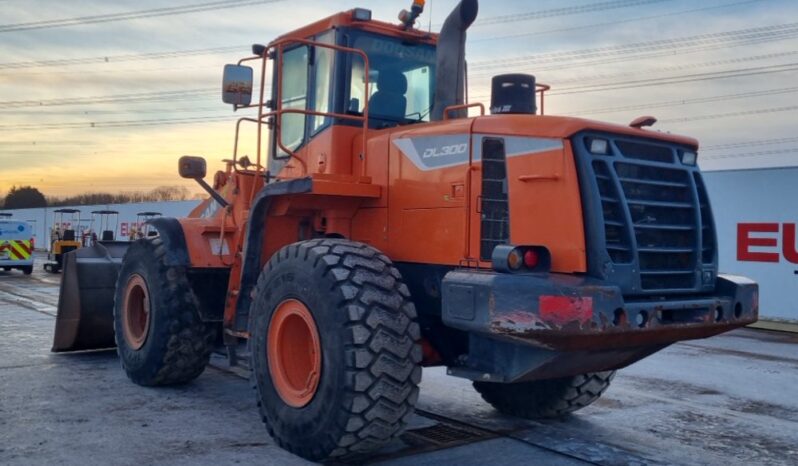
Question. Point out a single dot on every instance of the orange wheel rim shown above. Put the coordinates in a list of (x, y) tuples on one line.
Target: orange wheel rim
[(136, 312), (294, 353)]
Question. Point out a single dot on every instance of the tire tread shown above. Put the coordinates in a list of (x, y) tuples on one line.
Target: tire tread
[(190, 340), (383, 351), (546, 398)]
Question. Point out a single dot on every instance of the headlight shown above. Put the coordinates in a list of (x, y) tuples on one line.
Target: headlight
[(689, 157), (599, 146)]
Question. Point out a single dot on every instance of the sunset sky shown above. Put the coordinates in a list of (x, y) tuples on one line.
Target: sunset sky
[(110, 106)]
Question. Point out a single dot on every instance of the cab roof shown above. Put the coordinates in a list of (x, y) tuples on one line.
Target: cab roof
[(347, 19)]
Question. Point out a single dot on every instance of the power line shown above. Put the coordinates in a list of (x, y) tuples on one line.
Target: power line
[(760, 111), (222, 49), (561, 56), (613, 23), (149, 13), (634, 55), (765, 33), (793, 150), (674, 103), (118, 98), (726, 74), (211, 119), (680, 79), (48, 142), (159, 109), (565, 11), (760, 142), (681, 67), (119, 58), (688, 66), (114, 124)]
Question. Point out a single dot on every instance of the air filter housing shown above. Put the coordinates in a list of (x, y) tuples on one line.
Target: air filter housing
[(513, 94)]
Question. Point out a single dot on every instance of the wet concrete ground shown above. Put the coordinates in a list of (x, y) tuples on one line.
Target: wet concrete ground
[(730, 400)]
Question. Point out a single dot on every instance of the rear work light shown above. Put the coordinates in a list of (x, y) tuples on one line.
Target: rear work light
[(514, 259), (689, 158)]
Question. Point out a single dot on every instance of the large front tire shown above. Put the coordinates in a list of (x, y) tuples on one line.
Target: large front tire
[(160, 337), (543, 399), (335, 349)]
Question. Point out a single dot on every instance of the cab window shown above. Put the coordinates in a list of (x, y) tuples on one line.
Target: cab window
[(294, 96), (307, 75), (401, 80), (323, 63)]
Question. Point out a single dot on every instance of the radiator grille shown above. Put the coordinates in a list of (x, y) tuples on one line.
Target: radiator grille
[(619, 245), (494, 204), (655, 214), (660, 202), (707, 227)]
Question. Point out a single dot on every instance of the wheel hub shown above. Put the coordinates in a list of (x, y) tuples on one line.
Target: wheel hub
[(294, 353), (136, 312)]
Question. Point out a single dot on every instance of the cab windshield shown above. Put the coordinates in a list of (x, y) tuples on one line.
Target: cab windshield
[(401, 81)]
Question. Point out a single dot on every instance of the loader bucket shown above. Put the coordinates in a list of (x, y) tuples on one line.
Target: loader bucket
[(85, 319)]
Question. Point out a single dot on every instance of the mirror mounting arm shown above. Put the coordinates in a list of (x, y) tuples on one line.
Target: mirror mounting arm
[(214, 194), (195, 168)]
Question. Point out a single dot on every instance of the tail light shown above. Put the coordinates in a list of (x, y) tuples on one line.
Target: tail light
[(515, 259), (531, 258), (32, 243)]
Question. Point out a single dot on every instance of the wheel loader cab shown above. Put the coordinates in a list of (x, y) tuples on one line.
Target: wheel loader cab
[(399, 87)]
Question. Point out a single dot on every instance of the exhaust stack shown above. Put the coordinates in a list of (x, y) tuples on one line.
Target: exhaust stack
[(451, 68)]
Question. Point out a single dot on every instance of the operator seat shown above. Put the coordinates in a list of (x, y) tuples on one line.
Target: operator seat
[(389, 102)]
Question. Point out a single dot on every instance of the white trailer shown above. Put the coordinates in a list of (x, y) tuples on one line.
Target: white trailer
[(756, 212)]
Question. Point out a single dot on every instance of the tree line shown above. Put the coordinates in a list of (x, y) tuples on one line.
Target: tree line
[(29, 197)]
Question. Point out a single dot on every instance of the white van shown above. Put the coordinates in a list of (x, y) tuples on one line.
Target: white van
[(16, 246)]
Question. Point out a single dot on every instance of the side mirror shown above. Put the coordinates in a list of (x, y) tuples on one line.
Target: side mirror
[(192, 168), (237, 85), (195, 168)]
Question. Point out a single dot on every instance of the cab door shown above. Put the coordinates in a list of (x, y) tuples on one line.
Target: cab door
[(305, 74)]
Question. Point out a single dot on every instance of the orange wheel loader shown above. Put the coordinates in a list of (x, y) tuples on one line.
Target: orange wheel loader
[(381, 229)]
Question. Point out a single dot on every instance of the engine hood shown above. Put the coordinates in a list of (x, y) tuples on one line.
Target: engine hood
[(565, 127)]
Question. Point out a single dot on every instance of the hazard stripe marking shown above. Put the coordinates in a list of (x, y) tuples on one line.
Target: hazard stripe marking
[(18, 251)]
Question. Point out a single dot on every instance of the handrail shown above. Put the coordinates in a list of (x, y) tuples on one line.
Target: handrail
[(275, 52), (542, 88), (235, 144), (453, 108)]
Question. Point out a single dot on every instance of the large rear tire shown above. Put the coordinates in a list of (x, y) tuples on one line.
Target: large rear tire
[(546, 398), (160, 337), (335, 349)]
